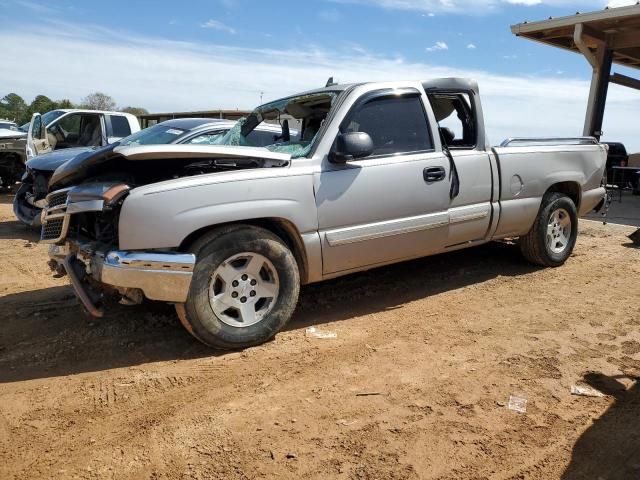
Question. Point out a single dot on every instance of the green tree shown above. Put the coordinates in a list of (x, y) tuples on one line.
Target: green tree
[(13, 107), (41, 104), (98, 101), (65, 103), (137, 111)]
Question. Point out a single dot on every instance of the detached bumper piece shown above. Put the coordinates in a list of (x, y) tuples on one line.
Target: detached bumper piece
[(160, 276), (74, 270)]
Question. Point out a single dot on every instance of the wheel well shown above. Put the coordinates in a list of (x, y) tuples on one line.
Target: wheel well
[(284, 229), (570, 189)]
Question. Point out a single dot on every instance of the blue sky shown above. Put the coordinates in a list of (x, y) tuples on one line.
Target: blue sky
[(168, 55)]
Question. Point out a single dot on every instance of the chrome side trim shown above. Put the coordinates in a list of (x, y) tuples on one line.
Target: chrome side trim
[(469, 212), (389, 228), (161, 276)]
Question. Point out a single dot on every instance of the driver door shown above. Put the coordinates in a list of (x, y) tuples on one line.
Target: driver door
[(391, 205), (37, 141)]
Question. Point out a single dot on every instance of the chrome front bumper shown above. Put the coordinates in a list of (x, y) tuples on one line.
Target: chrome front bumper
[(160, 276)]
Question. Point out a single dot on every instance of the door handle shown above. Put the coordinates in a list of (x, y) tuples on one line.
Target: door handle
[(433, 174)]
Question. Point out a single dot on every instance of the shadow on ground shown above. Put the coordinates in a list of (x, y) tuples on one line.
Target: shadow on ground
[(610, 448), (45, 332), (624, 210), (6, 198), (14, 230)]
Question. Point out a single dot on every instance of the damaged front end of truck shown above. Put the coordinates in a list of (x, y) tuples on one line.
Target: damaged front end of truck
[(81, 219)]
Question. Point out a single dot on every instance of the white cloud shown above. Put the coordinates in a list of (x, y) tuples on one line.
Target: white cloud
[(163, 75), (472, 7), (217, 25), (34, 6), (621, 3), (471, 46), (331, 16), (438, 46)]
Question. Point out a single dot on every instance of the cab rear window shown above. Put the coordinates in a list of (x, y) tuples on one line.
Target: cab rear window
[(120, 126)]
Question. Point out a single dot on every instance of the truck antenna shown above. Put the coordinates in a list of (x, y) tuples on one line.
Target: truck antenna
[(330, 82)]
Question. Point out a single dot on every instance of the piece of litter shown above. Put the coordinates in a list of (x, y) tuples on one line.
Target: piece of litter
[(315, 333), (346, 423), (517, 404), (585, 391), (367, 394)]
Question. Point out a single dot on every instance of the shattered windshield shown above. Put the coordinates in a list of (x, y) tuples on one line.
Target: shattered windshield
[(47, 119), (305, 113), (156, 135)]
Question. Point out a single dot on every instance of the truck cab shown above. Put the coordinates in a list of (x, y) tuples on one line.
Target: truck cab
[(69, 128)]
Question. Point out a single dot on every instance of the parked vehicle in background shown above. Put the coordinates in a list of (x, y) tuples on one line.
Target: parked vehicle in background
[(77, 128), (30, 197), (12, 143), (616, 157), (57, 130), (8, 125), (381, 173)]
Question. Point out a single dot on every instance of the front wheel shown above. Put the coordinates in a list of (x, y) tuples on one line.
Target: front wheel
[(23, 210), (553, 235), (244, 288)]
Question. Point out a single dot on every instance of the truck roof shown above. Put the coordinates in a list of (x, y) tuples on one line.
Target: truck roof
[(453, 83), (87, 110)]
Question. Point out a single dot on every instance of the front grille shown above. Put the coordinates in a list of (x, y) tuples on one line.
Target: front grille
[(52, 230), (57, 199), (55, 219)]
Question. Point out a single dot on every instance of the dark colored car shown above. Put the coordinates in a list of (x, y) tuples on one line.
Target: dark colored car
[(618, 157), (30, 198)]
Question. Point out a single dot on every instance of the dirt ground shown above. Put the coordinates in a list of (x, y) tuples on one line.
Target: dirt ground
[(416, 384)]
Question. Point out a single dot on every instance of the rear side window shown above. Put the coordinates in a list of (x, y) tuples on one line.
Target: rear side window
[(395, 125), (120, 126), (455, 118)]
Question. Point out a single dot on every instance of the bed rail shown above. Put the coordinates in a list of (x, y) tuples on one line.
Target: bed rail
[(531, 141)]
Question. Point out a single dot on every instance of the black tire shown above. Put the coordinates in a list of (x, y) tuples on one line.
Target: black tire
[(534, 245), (27, 214), (197, 314)]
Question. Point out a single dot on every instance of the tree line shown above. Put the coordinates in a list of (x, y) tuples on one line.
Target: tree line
[(13, 106)]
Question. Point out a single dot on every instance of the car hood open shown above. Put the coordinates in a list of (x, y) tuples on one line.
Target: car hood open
[(162, 160), (50, 161), (8, 133)]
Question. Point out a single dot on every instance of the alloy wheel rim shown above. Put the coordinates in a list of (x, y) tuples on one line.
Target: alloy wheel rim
[(243, 289), (558, 230)]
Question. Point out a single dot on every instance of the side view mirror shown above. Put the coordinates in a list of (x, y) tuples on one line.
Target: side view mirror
[(350, 146)]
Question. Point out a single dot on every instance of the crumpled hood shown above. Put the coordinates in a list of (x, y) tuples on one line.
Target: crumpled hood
[(86, 164), (78, 166), (7, 133), (48, 162)]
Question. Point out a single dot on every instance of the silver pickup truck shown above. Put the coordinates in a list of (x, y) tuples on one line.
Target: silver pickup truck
[(380, 173)]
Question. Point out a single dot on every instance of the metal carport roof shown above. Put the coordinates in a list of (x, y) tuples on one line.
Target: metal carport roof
[(618, 27), (604, 37)]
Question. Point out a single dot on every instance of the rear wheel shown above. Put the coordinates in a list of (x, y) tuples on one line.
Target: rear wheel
[(553, 235), (244, 289)]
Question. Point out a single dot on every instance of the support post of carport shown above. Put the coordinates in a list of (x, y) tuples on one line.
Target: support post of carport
[(600, 61)]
